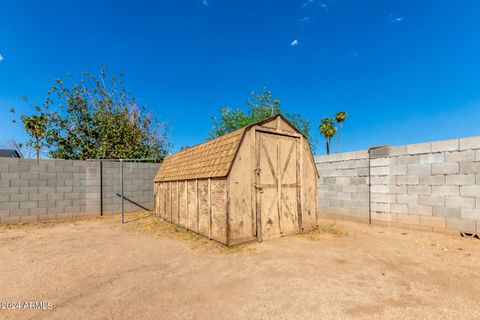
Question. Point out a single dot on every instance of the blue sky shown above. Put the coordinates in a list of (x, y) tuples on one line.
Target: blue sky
[(405, 71)]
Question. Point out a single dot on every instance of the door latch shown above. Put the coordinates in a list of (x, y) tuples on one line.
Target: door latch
[(259, 187), (257, 170)]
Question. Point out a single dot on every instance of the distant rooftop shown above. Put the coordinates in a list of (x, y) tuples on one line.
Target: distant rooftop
[(9, 153)]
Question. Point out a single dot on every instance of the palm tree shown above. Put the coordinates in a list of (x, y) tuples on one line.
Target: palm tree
[(328, 130), (35, 127), (340, 117)]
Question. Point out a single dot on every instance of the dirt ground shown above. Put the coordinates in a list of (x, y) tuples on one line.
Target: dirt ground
[(147, 269)]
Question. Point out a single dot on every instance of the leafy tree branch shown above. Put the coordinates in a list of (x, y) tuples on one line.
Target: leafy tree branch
[(259, 107), (95, 117)]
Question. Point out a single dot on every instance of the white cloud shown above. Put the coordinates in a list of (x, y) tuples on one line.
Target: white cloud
[(294, 43), (305, 20), (394, 19), (1, 57), (320, 3), (307, 3), (205, 3)]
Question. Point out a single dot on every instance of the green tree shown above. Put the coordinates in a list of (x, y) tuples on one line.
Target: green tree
[(260, 107), (35, 126), (340, 117), (95, 117), (328, 130)]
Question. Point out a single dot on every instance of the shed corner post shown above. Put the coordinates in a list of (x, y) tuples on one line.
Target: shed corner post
[(155, 198)]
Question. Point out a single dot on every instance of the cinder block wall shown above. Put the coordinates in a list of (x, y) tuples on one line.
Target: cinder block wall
[(138, 185), (45, 189), (343, 185), (429, 186)]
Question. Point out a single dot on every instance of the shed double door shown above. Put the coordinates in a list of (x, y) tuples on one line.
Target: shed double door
[(277, 185)]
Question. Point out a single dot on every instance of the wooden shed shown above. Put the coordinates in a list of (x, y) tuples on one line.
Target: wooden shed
[(256, 183)]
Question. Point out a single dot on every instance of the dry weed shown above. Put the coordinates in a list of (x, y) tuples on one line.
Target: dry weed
[(149, 223), (322, 230)]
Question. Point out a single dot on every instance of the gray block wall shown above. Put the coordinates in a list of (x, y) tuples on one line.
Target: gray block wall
[(138, 185), (343, 185), (429, 186), (45, 189)]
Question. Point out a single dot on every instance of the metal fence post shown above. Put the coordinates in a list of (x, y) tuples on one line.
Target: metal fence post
[(101, 188), (121, 179), (121, 192)]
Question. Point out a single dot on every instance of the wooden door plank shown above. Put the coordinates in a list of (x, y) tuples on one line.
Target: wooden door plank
[(278, 179), (178, 203), (198, 209), (187, 215), (170, 197), (288, 207), (289, 181), (270, 164), (253, 177), (165, 189), (257, 190), (299, 182), (210, 208), (287, 162), (227, 214)]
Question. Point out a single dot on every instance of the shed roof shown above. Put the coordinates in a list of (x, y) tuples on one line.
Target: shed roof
[(211, 159), (9, 153)]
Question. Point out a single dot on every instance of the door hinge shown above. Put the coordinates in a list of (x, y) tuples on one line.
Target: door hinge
[(257, 170)]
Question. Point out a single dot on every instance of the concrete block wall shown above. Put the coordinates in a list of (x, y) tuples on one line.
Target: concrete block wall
[(429, 186), (33, 190), (138, 185), (343, 185)]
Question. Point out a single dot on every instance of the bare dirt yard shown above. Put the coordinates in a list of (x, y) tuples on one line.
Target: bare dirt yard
[(147, 269)]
